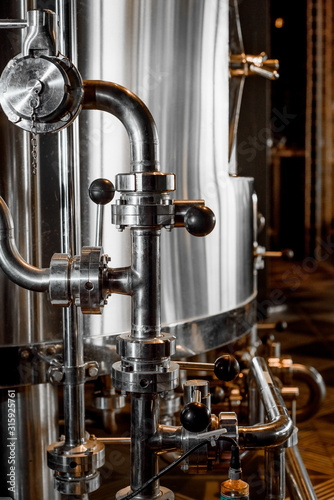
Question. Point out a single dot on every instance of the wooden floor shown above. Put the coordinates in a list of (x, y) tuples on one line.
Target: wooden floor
[(308, 289)]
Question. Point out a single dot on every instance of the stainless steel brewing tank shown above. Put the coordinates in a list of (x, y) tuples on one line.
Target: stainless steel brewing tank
[(174, 55)]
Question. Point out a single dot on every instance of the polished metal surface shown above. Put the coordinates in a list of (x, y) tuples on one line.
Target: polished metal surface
[(200, 279), (144, 408), (207, 285), (278, 425), (133, 113), (15, 267), (275, 473), (41, 90), (24, 322), (13, 23), (42, 33)]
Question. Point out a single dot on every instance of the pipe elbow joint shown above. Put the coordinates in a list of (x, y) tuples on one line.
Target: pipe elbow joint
[(268, 435), (12, 263), (135, 116)]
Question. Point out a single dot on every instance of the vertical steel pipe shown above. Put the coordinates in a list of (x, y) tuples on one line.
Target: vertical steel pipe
[(144, 421), (146, 293), (275, 473), (145, 324), (69, 186), (145, 268)]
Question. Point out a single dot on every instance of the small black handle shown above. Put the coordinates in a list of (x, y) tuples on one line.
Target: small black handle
[(195, 417), (199, 220), (101, 191), (287, 254), (226, 368)]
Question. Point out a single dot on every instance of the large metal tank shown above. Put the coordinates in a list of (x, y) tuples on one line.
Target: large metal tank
[(174, 55)]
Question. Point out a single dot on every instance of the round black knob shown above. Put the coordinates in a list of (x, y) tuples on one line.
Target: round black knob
[(101, 191), (226, 368), (195, 417), (281, 326), (199, 220), (288, 254), (217, 394)]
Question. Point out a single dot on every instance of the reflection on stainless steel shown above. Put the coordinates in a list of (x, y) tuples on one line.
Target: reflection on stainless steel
[(236, 83), (138, 121), (17, 270), (13, 23), (174, 55), (41, 33), (193, 287), (275, 473), (278, 426)]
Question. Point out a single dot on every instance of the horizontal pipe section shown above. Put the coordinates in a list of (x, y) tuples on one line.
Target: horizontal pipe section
[(167, 438), (190, 365), (135, 116), (119, 280), (114, 440), (13, 23), (11, 262), (279, 425)]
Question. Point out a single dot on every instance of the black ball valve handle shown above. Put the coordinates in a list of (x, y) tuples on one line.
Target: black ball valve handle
[(101, 192), (195, 417), (226, 368), (199, 220)]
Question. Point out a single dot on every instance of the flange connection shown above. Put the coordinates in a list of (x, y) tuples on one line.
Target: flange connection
[(144, 200), (76, 468), (77, 280), (145, 366)]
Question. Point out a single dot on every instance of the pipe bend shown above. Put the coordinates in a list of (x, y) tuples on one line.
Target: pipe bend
[(317, 387), (135, 116), (279, 425), (11, 262), (266, 435)]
